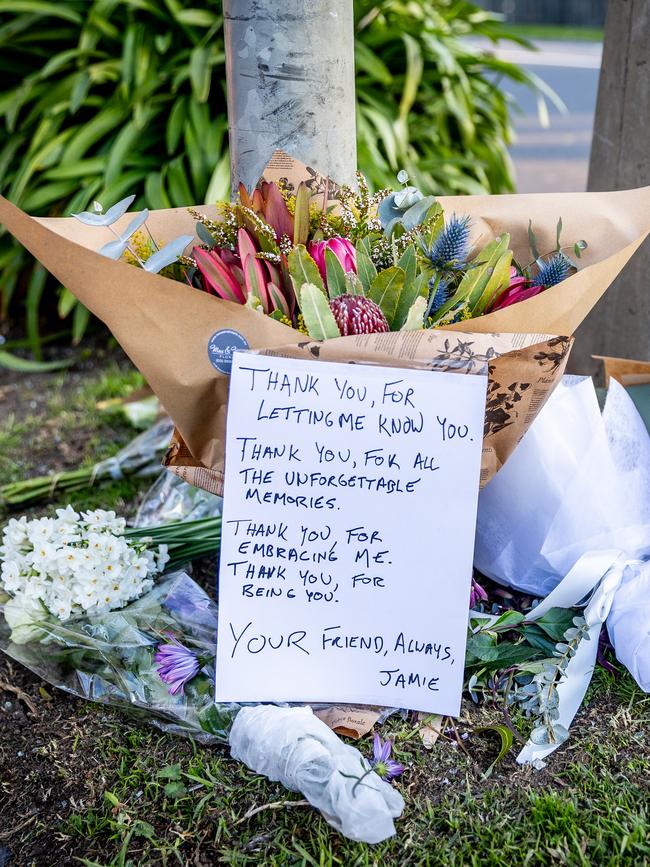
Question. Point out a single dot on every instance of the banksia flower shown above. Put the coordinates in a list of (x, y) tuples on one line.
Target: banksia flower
[(356, 314), (553, 271), (451, 247)]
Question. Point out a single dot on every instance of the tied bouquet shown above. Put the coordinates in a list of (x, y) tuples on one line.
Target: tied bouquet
[(305, 268), (370, 263), (56, 569), (87, 608)]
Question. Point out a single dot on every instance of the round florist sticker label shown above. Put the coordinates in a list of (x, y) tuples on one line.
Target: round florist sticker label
[(221, 346)]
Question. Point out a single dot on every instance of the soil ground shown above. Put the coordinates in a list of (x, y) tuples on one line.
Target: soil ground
[(81, 784)]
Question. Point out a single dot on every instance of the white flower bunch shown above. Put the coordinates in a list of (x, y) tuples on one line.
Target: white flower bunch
[(70, 566)]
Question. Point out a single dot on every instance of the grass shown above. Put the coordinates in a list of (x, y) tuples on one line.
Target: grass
[(167, 802), (57, 417), (81, 784), (558, 32)]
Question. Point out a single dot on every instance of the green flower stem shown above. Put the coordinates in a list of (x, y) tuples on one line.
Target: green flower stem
[(186, 540)]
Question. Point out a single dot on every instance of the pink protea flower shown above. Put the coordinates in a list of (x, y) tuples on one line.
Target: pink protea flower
[(356, 314), (342, 249), (176, 665), (519, 290)]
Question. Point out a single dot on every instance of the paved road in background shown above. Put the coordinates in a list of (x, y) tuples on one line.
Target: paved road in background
[(556, 158)]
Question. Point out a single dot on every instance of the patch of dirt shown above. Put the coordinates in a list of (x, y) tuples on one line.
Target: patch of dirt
[(25, 394)]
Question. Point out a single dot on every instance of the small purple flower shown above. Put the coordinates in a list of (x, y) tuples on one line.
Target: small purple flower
[(176, 665), (382, 764), (477, 594)]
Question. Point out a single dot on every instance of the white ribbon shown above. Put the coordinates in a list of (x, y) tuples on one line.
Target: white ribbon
[(604, 571)]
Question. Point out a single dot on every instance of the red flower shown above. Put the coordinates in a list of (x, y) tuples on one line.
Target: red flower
[(356, 314), (519, 290)]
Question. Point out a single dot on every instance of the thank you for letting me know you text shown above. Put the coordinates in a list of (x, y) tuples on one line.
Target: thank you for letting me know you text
[(348, 533)]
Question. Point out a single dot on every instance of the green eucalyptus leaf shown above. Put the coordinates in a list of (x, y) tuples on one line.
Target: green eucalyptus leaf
[(204, 235), (532, 241), (385, 290), (408, 263), (415, 316), (303, 269), (417, 213), (497, 283), (319, 319), (301, 215), (335, 275), (366, 270), (412, 292)]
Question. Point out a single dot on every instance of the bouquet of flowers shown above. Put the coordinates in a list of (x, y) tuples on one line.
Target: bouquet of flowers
[(141, 457), (369, 264), (84, 609), (313, 270)]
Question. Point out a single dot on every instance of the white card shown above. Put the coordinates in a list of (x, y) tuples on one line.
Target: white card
[(348, 533)]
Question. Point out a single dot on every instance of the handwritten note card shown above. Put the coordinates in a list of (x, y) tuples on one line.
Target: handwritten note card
[(348, 533)]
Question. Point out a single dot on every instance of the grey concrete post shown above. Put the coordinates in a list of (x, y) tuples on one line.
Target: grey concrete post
[(290, 72), (620, 159)]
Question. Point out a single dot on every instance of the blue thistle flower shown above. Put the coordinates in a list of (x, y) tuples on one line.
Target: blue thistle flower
[(451, 247), (442, 292), (553, 271)]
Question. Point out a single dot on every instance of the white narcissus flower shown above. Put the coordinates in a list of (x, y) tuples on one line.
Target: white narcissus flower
[(40, 529), (44, 556), (72, 566), (11, 578), (68, 516), (101, 519), (60, 604), (14, 534)]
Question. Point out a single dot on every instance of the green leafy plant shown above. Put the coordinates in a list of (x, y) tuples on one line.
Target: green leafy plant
[(104, 97)]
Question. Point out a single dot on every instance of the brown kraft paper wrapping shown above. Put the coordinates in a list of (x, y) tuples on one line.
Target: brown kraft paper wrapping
[(165, 326)]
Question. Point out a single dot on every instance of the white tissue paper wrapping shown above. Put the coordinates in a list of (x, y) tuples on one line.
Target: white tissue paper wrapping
[(292, 746), (570, 510)]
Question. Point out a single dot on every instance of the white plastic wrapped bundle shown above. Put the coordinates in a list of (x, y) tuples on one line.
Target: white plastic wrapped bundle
[(628, 623), (292, 746), (569, 511)]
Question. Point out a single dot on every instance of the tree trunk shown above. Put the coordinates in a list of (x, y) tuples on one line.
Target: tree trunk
[(620, 159), (290, 75)]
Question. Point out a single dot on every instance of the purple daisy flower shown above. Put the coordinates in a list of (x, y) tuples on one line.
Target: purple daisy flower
[(382, 764), (176, 665)]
